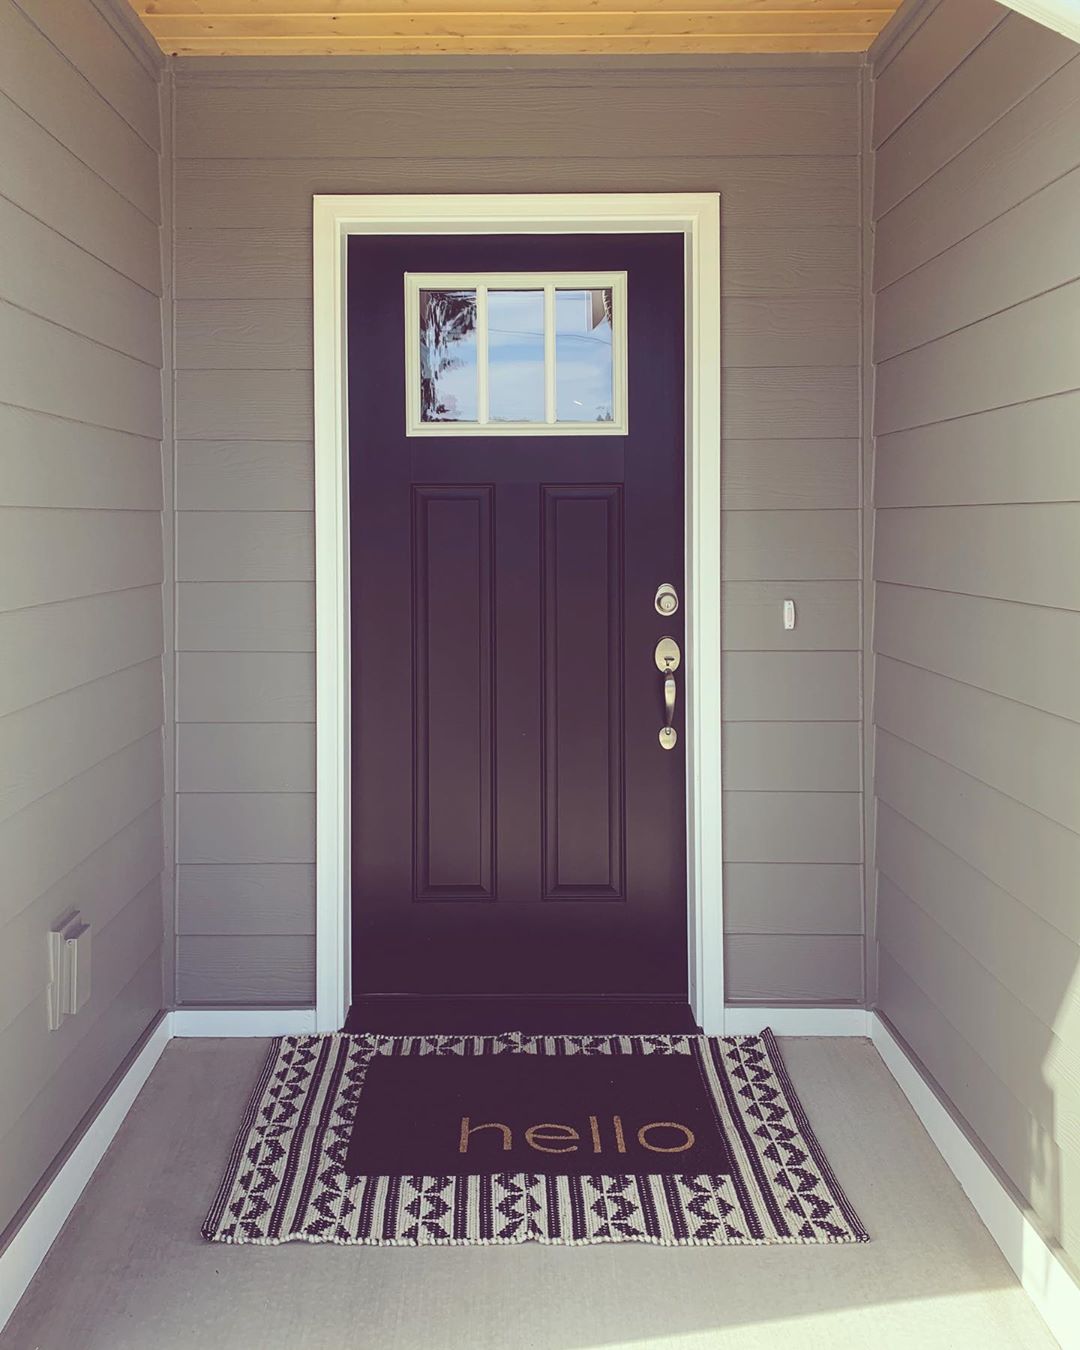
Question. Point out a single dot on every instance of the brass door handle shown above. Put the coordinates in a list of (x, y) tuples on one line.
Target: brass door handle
[(668, 657)]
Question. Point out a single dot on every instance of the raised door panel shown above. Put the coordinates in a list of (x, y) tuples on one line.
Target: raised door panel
[(583, 798), (453, 688)]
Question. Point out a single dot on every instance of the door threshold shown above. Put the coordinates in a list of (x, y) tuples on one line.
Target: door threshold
[(409, 1015)]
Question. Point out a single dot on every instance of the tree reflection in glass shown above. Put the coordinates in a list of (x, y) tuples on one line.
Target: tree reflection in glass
[(448, 356)]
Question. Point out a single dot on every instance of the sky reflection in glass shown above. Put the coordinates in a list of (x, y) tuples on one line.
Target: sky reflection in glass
[(583, 359), (516, 356)]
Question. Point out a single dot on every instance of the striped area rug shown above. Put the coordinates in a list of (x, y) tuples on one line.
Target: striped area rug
[(289, 1177)]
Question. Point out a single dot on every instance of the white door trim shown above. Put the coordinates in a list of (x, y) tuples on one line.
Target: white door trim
[(697, 217)]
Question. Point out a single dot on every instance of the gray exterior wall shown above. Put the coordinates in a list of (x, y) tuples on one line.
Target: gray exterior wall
[(977, 580), (81, 704), (781, 146)]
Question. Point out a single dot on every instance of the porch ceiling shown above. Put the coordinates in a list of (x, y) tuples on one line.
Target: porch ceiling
[(480, 27)]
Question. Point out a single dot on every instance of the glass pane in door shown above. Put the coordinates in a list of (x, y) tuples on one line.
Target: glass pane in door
[(516, 356), (583, 356), (448, 384)]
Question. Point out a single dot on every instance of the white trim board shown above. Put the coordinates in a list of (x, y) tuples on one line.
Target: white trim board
[(1045, 1280), (792, 1021), (697, 217), (243, 1022), (1063, 16), (27, 1249)]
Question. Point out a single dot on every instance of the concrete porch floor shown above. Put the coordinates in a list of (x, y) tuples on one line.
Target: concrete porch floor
[(130, 1271)]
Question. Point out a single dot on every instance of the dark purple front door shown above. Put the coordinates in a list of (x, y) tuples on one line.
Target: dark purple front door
[(518, 829)]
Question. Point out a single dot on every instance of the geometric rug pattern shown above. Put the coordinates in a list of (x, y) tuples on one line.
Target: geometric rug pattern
[(286, 1179)]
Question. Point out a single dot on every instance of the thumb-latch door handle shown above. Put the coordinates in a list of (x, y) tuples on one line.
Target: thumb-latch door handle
[(667, 657)]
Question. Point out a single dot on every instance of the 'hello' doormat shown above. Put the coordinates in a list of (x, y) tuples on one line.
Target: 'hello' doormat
[(515, 1138)]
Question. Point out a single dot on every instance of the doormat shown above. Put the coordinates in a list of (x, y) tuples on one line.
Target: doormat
[(463, 1140)]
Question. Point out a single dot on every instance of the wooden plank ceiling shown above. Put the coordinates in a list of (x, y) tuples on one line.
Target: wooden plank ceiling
[(537, 27)]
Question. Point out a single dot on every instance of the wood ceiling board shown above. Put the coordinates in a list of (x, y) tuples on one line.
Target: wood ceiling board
[(511, 27)]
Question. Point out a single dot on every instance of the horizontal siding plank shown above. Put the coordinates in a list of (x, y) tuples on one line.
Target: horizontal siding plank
[(46, 840), (826, 616), (265, 971), (793, 898), (36, 76), (1024, 753), (52, 370), (508, 113), (792, 757), (253, 757), (1006, 1128), (267, 334), (245, 616), (770, 331), (245, 898), (30, 1054), (49, 1120), (800, 402), (1033, 858), (1034, 961), (789, 475), (245, 476), (60, 555), (59, 646), (928, 58), (49, 743), (1023, 652), (245, 827), (989, 271), (1039, 1069), (1015, 59), (45, 273), (769, 968), (978, 368), (251, 264), (49, 461), (790, 262), (792, 827), (790, 545), (43, 177), (1025, 552), (1024, 453), (245, 546), (99, 887), (245, 687), (276, 193), (1031, 145), (244, 405), (797, 686), (94, 48)]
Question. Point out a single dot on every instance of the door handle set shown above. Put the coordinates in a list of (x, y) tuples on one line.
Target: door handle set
[(668, 657)]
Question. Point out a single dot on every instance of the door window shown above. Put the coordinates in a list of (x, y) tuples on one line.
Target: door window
[(516, 354)]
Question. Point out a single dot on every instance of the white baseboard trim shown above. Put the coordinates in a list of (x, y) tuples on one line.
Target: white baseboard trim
[(27, 1249), (1045, 1280), (243, 1021), (810, 1021)]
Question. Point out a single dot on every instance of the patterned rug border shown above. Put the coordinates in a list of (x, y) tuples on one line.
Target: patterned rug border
[(237, 1223)]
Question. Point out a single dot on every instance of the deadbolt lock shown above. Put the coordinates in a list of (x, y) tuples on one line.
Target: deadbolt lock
[(666, 599)]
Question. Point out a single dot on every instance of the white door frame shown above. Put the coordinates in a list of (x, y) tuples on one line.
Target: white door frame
[(697, 217)]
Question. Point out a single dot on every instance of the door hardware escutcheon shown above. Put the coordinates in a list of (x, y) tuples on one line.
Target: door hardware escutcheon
[(666, 599), (667, 657)]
